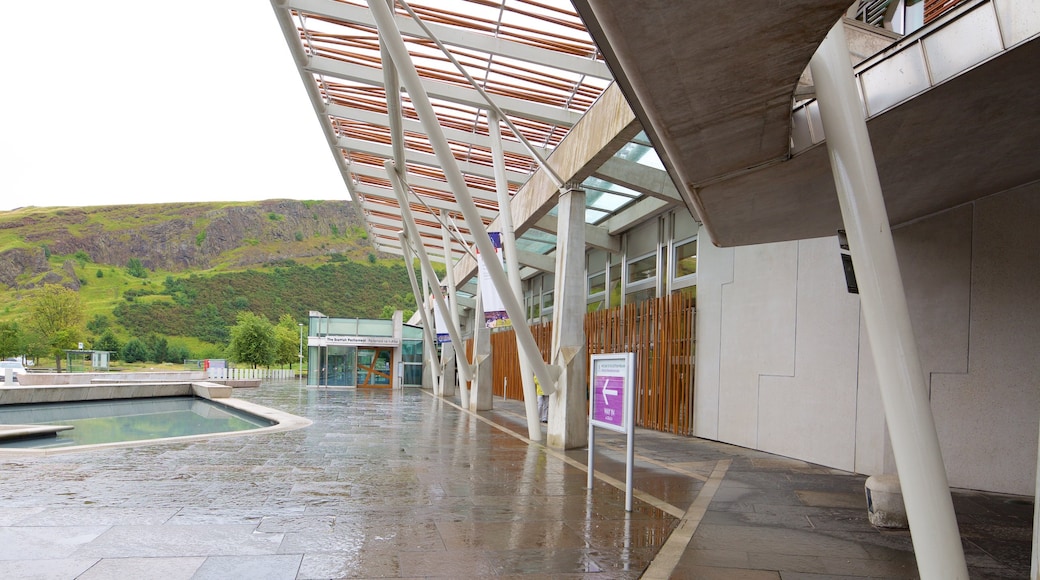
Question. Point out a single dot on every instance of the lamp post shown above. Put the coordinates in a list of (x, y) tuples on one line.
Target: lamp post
[(300, 324)]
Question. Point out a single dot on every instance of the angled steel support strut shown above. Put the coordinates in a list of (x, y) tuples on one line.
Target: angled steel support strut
[(505, 217), (438, 296), (420, 302), (904, 393)]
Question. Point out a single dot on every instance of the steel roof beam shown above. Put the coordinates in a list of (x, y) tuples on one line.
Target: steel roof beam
[(445, 91), (645, 209), (595, 236), (367, 191), (428, 159), (459, 136), (541, 262), (638, 177), (420, 181)]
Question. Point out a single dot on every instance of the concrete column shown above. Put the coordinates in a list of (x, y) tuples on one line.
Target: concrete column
[(568, 416), (482, 396), (505, 217), (904, 394), (448, 366)]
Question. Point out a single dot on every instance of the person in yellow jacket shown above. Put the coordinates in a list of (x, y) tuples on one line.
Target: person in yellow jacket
[(543, 402)]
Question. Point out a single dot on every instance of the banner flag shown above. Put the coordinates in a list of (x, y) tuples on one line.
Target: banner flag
[(495, 315), (439, 318)]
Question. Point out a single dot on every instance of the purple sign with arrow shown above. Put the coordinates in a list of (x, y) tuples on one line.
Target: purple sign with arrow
[(612, 391)]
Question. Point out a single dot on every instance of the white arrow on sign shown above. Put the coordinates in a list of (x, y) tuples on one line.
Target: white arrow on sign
[(610, 392)]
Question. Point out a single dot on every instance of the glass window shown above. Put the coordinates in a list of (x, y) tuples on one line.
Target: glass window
[(615, 285), (642, 269), (686, 258), (547, 301), (640, 296), (598, 283)]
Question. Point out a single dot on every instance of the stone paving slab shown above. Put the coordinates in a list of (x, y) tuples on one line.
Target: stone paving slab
[(398, 484)]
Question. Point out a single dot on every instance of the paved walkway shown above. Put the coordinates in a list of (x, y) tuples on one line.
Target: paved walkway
[(402, 485)]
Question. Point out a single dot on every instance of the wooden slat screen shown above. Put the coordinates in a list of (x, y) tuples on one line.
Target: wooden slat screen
[(660, 332)]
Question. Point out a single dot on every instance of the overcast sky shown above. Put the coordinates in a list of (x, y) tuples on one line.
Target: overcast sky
[(144, 102)]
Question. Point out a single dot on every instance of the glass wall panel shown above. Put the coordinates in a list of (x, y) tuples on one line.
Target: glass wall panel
[(412, 375), (341, 326), (368, 327), (314, 365), (340, 366), (412, 351)]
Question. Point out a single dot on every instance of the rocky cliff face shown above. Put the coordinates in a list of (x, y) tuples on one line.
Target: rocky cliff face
[(181, 236)]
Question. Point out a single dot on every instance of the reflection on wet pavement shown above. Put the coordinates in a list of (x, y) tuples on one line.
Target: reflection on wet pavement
[(399, 484)]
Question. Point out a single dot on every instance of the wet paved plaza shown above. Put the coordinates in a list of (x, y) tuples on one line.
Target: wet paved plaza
[(398, 484)]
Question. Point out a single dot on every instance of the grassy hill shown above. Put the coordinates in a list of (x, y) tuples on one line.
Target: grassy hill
[(201, 264)]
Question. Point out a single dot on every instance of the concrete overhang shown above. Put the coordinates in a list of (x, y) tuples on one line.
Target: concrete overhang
[(714, 88)]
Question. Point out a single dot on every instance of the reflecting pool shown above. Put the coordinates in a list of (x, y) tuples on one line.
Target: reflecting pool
[(110, 421)]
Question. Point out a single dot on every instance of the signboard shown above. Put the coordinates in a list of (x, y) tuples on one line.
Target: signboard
[(612, 400), (353, 341), (612, 393)]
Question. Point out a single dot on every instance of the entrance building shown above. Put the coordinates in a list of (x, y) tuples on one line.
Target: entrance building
[(363, 352)]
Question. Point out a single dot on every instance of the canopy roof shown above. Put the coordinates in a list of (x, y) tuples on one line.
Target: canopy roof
[(533, 57)]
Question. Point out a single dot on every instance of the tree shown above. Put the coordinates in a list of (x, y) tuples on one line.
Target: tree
[(252, 340), (158, 347), (12, 341), (108, 341), (135, 350), (178, 353), (288, 335), (56, 315)]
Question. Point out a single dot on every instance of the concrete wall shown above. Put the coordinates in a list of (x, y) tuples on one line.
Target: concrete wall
[(784, 365)]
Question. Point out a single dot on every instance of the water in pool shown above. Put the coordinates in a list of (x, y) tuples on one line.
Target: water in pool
[(112, 421)]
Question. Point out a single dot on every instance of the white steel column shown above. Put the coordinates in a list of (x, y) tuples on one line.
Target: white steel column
[(904, 394), (413, 233), (429, 342), (505, 218), (453, 305), (391, 37), (568, 415)]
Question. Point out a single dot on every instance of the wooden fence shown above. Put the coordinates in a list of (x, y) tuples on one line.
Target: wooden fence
[(661, 334)]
